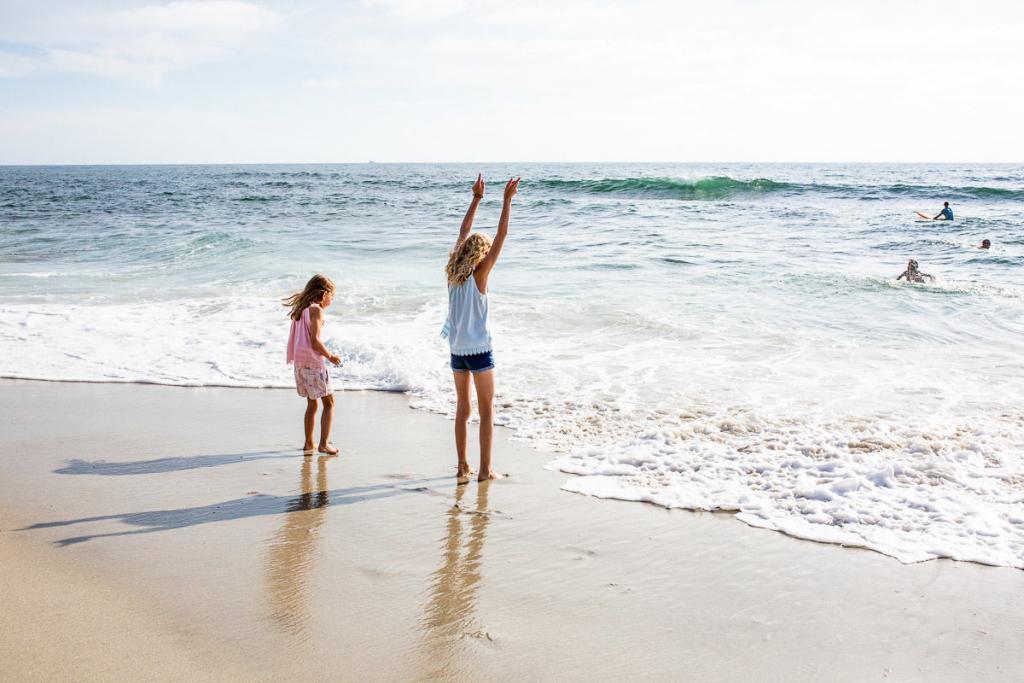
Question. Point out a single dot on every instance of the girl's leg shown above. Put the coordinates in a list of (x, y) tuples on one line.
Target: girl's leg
[(325, 426), (308, 422), (462, 410), (484, 382)]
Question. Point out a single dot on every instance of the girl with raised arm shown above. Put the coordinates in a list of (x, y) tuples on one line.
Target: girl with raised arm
[(469, 339)]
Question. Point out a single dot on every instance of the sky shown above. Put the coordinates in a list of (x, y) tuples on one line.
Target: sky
[(262, 81)]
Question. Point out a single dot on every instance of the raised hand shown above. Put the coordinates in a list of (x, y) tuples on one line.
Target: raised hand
[(511, 187), (467, 222)]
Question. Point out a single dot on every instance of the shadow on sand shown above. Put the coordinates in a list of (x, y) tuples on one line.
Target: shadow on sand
[(179, 464), (239, 508)]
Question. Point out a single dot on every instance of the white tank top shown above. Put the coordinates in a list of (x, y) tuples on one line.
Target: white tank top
[(466, 327)]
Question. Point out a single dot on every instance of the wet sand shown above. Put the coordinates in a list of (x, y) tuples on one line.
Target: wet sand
[(174, 534)]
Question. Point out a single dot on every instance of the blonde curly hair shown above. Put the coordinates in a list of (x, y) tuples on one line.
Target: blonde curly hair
[(466, 257)]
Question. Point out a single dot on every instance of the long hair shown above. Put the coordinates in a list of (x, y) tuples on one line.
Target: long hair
[(464, 260), (312, 293)]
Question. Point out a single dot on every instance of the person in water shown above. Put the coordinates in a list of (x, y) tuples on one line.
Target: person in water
[(946, 214), (469, 340), (985, 244), (913, 274)]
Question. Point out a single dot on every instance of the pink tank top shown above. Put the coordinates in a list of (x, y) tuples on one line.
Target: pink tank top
[(300, 343)]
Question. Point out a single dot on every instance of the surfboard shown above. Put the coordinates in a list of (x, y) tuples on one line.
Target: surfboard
[(927, 218)]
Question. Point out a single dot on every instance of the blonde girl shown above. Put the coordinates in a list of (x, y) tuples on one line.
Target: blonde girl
[(469, 339), (307, 353)]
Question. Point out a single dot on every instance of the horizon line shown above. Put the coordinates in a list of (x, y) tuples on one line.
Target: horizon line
[(466, 163)]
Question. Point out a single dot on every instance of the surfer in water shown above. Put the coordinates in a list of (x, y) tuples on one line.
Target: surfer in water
[(945, 215), (913, 274), (985, 244)]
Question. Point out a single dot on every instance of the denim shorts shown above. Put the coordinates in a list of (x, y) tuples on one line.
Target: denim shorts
[(478, 362)]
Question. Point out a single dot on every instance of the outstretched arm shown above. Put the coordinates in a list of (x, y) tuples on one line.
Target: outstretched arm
[(930, 277), (485, 266), (467, 222), (903, 275)]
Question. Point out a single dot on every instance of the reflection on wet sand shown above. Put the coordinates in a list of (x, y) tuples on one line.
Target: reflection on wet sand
[(290, 556), (450, 617)]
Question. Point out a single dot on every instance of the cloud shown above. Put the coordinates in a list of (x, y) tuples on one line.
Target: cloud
[(105, 65), (218, 16), (321, 83), (15, 65), (611, 80), (141, 44), (126, 134), (418, 9)]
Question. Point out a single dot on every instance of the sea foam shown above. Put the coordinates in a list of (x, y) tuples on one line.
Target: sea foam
[(911, 491)]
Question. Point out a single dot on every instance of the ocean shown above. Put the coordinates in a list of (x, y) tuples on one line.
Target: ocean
[(703, 336)]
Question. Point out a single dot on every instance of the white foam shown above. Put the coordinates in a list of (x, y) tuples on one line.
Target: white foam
[(911, 449), (913, 489), (233, 342)]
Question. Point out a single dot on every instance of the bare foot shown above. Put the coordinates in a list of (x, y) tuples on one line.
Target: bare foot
[(308, 449), (328, 449), (488, 476)]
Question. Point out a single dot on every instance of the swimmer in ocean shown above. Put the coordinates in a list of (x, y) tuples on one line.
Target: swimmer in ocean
[(913, 274), (985, 244), (945, 215)]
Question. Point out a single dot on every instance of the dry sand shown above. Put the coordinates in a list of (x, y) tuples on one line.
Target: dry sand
[(177, 534)]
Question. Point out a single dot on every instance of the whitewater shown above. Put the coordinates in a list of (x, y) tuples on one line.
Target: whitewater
[(699, 336)]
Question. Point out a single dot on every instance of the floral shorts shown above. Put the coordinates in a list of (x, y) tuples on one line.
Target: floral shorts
[(313, 383)]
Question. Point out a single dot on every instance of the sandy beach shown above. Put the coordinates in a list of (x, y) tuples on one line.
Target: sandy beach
[(174, 533), (745, 314)]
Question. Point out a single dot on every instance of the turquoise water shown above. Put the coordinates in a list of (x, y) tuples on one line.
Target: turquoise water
[(703, 336)]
